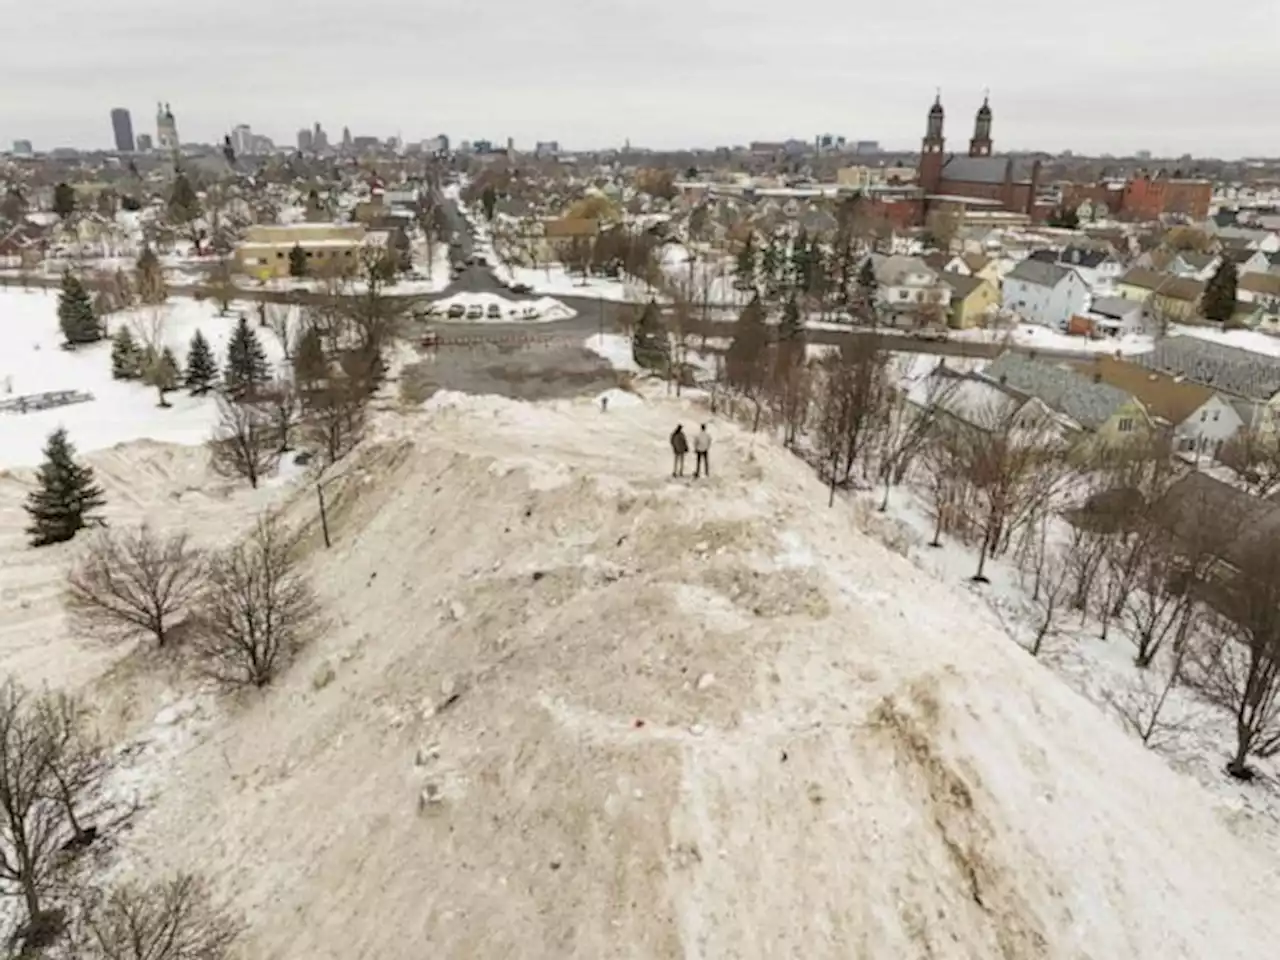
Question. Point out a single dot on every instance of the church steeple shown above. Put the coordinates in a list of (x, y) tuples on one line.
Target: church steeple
[(929, 174), (980, 145)]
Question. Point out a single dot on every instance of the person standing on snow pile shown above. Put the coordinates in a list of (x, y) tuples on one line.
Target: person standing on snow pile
[(701, 447), (679, 447)]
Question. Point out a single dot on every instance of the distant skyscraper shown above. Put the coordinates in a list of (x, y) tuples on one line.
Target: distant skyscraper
[(22, 148), (319, 139), (346, 138), (242, 140), (122, 127), (305, 142), (166, 128), (144, 144)]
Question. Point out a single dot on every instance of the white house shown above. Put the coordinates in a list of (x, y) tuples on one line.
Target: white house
[(1194, 265), (1045, 293), (1207, 427), (1252, 261), (1117, 316), (1099, 269), (908, 287)]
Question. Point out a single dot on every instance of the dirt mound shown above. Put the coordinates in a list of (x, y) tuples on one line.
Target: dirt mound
[(570, 707)]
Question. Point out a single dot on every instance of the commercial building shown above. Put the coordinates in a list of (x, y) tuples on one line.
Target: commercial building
[(330, 248), (122, 128), (166, 128)]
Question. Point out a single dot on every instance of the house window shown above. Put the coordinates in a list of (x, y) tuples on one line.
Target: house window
[(1215, 414), (279, 256), (1125, 425), (1204, 415), (903, 294)]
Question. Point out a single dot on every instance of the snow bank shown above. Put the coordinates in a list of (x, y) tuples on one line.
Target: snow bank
[(541, 310), (614, 348), (535, 743)]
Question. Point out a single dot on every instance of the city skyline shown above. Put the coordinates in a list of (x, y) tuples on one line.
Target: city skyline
[(1117, 82)]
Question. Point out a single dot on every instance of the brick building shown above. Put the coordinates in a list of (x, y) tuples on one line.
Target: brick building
[(1001, 182)]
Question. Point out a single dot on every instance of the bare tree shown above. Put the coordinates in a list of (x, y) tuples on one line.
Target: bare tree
[(281, 320), (942, 459), (1237, 664), (222, 282), (135, 582), (281, 404), (245, 443), (32, 828), (851, 403), (173, 920), (78, 763), (257, 610), (335, 417), (1142, 707), (1052, 583), (906, 423)]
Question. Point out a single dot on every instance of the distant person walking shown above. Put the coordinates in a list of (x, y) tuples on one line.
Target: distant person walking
[(701, 447), (679, 447)]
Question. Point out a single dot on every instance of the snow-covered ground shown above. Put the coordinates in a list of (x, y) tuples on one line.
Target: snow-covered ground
[(541, 310), (713, 717), (553, 280), (702, 275), (32, 361), (1034, 335)]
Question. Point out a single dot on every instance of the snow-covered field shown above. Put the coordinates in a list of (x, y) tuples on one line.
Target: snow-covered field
[(553, 280), (712, 718), (33, 361)]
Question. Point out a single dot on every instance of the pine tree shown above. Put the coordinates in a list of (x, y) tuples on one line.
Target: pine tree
[(75, 313), (1219, 299), (247, 367), (297, 261), (202, 369), (867, 288), (66, 498), (64, 200), (791, 329), (151, 286), (750, 337), (310, 368), (649, 344), (163, 374), (125, 356)]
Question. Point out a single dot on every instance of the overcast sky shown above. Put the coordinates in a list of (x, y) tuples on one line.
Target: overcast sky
[(1170, 76)]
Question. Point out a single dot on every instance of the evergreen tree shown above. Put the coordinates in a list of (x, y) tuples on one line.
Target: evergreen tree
[(649, 344), (163, 374), (126, 360), (247, 368), (64, 200), (770, 264), (184, 205), (750, 337), (202, 369), (489, 201), (746, 265), (66, 498), (310, 367), (1219, 299), (151, 286), (867, 288), (75, 313), (297, 261)]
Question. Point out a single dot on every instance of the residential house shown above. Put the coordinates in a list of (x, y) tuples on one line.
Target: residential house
[(974, 402), (909, 292), (1268, 241), (23, 246), (1114, 317), (1262, 289), (1248, 261), (970, 264), (1177, 298), (973, 300), (1098, 267), (560, 234), (1249, 381), (1193, 264), (1199, 509), (1098, 411), (1044, 293), (1198, 417)]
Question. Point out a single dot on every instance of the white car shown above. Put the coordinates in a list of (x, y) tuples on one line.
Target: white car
[(475, 312), (530, 313)]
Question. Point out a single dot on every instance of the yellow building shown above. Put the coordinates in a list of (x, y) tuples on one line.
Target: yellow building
[(1175, 297), (329, 248), (973, 300)]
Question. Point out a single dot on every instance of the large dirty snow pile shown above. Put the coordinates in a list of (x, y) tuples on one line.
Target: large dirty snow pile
[(569, 707)]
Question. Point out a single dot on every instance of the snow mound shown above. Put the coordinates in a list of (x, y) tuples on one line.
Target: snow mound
[(618, 714), (619, 398), (541, 310)]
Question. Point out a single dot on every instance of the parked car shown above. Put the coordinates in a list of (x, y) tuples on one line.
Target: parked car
[(457, 310), (521, 288), (493, 312), (430, 338), (475, 312)]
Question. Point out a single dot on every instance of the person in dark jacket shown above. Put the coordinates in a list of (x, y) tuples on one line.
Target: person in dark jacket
[(679, 447)]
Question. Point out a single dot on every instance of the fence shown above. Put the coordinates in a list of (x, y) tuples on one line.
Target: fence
[(32, 402)]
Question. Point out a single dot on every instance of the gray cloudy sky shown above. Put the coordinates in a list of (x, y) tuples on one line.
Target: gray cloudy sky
[(1114, 76)]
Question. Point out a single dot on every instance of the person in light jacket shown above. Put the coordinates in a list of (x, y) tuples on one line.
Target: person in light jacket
[(679, 447), (701, 447)]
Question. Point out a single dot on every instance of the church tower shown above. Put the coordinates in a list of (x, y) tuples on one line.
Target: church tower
[(980, 145), (930, 174)]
